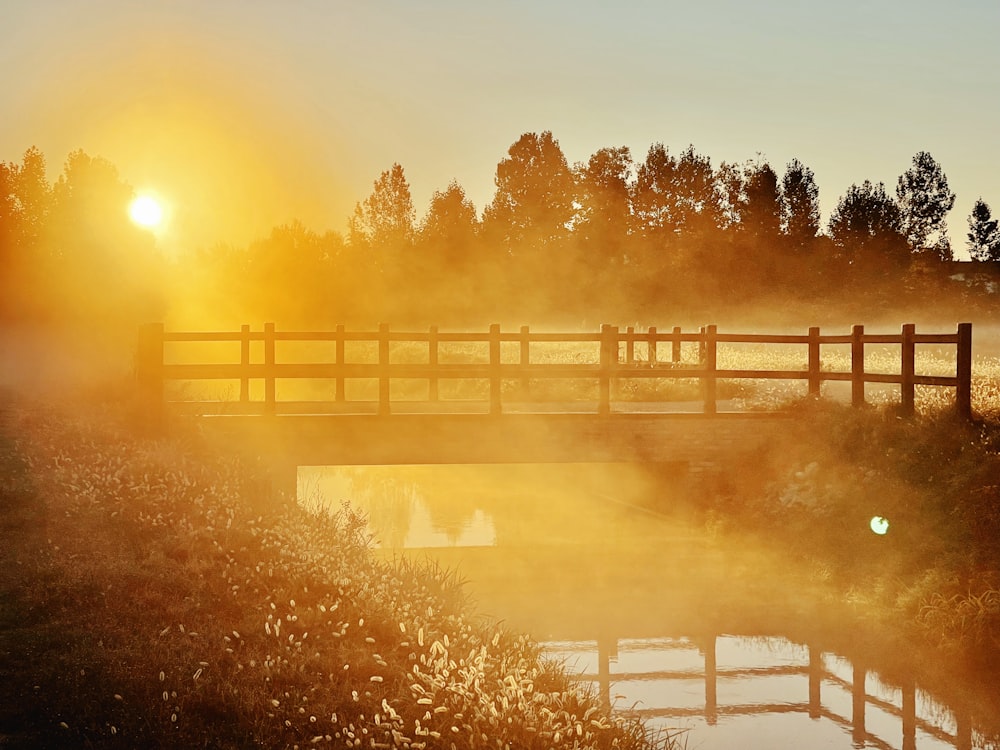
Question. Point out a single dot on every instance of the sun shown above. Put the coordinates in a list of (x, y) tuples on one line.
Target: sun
[(146, 211)]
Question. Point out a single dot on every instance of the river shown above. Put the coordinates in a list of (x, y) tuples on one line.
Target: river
[(667, 617)]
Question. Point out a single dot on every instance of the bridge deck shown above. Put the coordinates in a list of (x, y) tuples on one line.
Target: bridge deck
[(441, 407)]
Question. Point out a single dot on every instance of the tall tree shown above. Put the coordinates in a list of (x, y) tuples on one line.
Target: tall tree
[(385, 220), (729, 182), (534, 199), (603, 218), (761, 213), (675, 194), (867, 228), (800, 207), (103, 265), (984, 233), (695, 198), (34, 196), (652, 194), (25, 204), (924, 202), (449, 230)]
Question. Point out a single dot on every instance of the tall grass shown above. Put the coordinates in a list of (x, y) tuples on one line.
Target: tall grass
[(152, 598)]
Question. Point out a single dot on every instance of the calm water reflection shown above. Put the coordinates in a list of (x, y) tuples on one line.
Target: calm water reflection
[(667, 621)]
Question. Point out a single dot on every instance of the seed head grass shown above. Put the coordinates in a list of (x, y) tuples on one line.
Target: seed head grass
[(157, 600)]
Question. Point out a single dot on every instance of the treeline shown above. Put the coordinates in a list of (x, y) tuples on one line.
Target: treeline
[(68, 249), (609, 238)]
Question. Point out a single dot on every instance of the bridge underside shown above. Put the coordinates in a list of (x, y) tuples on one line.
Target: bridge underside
[(696, 440)]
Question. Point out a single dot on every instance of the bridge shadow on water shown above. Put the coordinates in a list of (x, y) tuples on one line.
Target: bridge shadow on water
[(664, 616)]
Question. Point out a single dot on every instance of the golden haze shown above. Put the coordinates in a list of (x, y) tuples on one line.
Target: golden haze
[(227, 145)]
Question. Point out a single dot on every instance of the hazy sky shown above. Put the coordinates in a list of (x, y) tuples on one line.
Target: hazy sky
[(244, 114)]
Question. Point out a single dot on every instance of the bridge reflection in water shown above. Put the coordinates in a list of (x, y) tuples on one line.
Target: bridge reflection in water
[(601, 565), (712, 684)]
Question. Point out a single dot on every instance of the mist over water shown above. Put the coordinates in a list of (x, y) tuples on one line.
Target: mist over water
[(665, 616)]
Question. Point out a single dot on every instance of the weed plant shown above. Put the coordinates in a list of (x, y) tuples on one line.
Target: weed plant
[(155, 597)]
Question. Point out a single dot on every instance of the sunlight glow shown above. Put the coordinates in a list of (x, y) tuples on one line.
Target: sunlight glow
[(146, 211), (879, 525)]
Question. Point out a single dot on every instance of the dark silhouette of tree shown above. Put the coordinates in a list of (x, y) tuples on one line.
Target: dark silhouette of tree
[(652, 197), (729, 180), (695, 197), (449, 231), (800, 208), (867, 229), (25, 199), (602, 221), (984, 233), (533, 203), (753, 249), (924, 202), (675, 206), (760, 215), (449, 265), (386, 218), (675, 195)]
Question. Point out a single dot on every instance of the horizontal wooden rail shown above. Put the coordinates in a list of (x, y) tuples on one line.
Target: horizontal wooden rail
[(618, 355)]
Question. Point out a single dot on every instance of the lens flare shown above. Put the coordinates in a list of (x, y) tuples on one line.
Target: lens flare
[(879, 525)]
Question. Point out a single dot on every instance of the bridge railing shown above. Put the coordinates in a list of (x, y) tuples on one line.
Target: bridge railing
[(619, 356), (820, 679)]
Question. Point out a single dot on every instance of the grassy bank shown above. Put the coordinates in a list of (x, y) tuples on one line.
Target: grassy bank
[(933, 580), (151, 599)]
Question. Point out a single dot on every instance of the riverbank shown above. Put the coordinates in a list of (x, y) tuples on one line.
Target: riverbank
[(930, 584), (152, 598)]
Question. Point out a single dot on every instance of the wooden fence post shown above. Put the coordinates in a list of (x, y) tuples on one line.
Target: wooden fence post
[(907, 370), (814, 362), (709, 363), (711, 680), (963, 371), (675, 350), (432, 361), (651, 347), (496, 381), (609, 360), (270, 396), (149, 376), (859, 702), (244, 364), (525, 361), (815, 681), (338, 343), (383, 370), (858, 366)]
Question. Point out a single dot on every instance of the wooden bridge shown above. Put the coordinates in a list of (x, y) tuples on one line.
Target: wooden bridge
[(821, 683), (384, 396)]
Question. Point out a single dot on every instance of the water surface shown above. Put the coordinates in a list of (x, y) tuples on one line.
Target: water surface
[(665, 618)]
